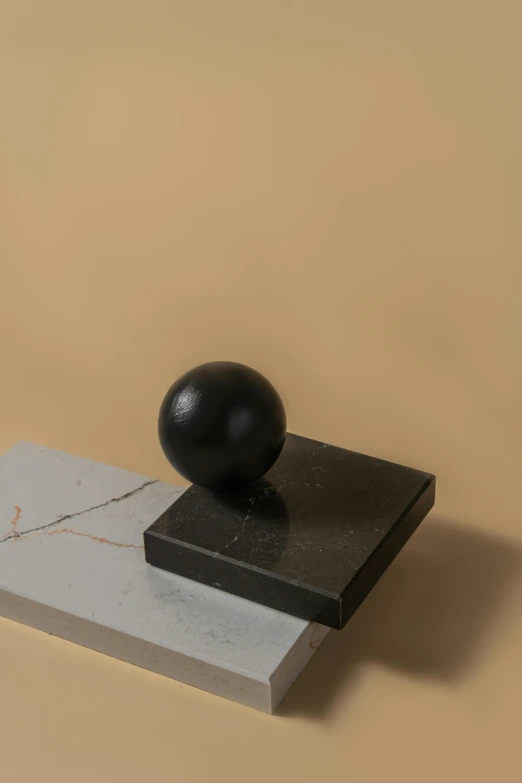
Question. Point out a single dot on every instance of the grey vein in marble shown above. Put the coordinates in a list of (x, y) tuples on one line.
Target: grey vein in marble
[(16, 534)]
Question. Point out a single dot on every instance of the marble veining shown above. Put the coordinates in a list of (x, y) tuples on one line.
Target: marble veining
[(311, 538), (14, 533), (72, 564)]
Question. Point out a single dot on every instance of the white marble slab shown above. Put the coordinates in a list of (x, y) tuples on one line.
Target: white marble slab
[(72, 564)]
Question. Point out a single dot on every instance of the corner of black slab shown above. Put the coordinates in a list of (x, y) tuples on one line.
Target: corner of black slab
[(311, 539)]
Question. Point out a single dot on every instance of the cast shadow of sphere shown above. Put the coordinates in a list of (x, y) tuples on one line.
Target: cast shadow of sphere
[(429, 616)]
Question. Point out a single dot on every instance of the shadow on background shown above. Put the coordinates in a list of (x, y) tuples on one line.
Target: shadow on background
[(428, 616)]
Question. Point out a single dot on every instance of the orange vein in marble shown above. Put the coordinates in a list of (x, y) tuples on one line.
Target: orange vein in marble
[(315, 643), (14, 521), (94, 538)]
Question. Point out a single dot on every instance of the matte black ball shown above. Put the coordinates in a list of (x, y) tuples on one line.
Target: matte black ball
[(222, 425)]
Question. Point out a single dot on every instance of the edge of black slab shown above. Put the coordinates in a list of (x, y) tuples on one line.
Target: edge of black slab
[(282, 592), (384, 555)]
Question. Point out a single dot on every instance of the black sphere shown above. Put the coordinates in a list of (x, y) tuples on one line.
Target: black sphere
[(222, 425)]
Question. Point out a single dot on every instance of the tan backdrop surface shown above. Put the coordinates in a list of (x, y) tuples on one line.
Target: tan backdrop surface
[(330, 192)]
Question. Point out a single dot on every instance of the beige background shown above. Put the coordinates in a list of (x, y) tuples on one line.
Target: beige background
[(330, 192)]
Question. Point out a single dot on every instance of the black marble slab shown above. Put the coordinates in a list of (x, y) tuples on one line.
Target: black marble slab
[(311, 539)]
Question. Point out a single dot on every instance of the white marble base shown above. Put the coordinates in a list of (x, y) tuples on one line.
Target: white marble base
[(72, 564)]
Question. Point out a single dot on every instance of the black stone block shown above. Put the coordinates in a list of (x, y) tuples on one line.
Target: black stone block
[(311, 539)]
